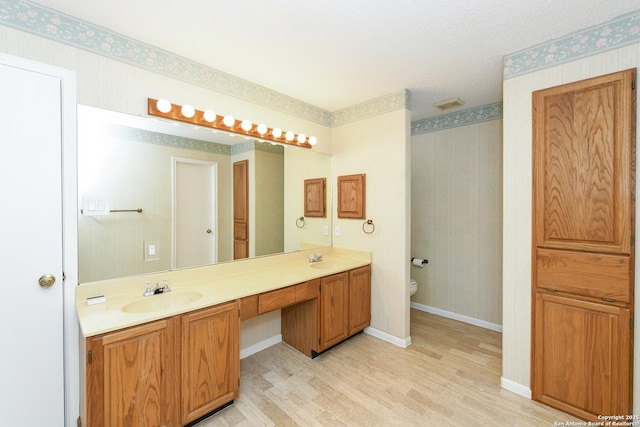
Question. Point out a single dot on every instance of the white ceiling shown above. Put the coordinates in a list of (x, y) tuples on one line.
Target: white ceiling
[(337, 53)]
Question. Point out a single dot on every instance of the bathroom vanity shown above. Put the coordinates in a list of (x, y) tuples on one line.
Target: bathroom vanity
[(172, 359)]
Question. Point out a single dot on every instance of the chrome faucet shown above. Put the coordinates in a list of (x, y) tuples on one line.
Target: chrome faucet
[(158, 289), (315, 258)]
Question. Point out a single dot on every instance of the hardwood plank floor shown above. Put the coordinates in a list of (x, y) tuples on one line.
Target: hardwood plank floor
[(449, 376)]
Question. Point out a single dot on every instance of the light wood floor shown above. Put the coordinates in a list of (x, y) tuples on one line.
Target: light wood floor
[(449, 376)]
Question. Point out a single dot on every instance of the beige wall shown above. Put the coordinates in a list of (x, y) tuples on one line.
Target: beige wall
[(517, 206), (456, 219), (300, 165), (380, 148), (269, 201)]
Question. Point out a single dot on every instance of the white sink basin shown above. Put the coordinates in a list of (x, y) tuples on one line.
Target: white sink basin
[(161, 302), (327, 264)]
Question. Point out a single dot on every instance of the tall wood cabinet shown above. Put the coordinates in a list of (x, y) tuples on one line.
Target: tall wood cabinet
[(583, 245)]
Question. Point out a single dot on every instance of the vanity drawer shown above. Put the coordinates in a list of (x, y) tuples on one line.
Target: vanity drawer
[(274, 300)]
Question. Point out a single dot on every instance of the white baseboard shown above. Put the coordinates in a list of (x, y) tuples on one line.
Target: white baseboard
[(515, 387), (456, 316), (264, 344), (404, 343)]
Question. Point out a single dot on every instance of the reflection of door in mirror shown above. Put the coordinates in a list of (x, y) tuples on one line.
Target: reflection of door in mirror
[(240, 209), (195, 213)]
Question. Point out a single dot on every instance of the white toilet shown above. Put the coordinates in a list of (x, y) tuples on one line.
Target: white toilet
[(413, 287)]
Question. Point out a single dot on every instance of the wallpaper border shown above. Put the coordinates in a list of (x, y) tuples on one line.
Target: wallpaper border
[(618, 32), (459, 118)]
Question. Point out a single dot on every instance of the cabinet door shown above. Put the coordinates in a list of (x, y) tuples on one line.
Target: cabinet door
[(334, 309), (210, 359), (581, 356), (359, 299), (130, 377)]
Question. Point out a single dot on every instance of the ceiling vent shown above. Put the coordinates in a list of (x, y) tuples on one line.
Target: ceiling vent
[(449, 103)]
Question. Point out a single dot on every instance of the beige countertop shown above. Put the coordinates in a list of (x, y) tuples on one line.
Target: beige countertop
[(201, 287)]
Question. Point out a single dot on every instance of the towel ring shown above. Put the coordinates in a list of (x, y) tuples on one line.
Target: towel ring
[(368, 230), (300, 222)]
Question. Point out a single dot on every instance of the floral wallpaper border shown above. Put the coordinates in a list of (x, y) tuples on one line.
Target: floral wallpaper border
[(157, 138), (459, 118), (54, 25), (383, 104), (619, 32), (51, 24)]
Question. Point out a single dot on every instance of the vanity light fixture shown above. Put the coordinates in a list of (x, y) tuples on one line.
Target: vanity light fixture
[(208, 118)]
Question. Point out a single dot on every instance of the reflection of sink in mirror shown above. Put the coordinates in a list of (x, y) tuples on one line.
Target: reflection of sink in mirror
[(161, 302), (327, 264)]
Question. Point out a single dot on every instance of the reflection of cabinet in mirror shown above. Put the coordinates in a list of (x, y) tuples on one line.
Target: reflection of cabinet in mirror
[(351, 196), (240, 209), (314, 197)]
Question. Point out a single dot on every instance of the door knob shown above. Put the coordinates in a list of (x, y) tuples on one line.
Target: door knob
[(47, 280), (208, 231)]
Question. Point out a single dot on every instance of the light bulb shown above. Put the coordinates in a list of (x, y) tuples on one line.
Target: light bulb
[(276, 132), (246, 125), (288, 136), (163, 106), (188, 111), (262, 129), (209, 116), (228, 120), (302, 138), (313, 140)]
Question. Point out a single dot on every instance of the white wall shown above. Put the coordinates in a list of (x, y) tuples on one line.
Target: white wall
[(456, 219), (517, 215)]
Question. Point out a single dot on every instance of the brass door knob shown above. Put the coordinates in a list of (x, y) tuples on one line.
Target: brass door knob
[(47, 280)]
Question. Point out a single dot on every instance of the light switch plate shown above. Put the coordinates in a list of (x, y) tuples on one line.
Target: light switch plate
[(337, 231)]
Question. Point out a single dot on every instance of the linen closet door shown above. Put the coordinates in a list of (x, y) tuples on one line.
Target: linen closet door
[(32, 386), (583, 245)]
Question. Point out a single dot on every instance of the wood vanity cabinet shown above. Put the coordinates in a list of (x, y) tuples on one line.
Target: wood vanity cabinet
[(210, 359), (344, 306), (359, 299), (169, 372), (131, 376), (335, 308)]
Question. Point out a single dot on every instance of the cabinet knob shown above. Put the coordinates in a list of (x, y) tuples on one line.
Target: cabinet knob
[(47, 280), (208, 231)]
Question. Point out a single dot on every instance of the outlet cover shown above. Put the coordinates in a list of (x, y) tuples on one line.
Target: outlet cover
[(151, 250)]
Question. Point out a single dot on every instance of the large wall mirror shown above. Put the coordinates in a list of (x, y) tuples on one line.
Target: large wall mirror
[(156, 195)]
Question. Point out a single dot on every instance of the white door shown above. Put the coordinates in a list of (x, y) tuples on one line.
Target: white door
[(194, 204), (31, 316)]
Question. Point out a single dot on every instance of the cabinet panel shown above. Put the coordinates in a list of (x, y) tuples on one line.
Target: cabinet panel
[(210, 359), (249, 307), (130, 377), (351, 196), (359, 299), (334, 309), (582, 356), (314, 197), (582, 273)]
